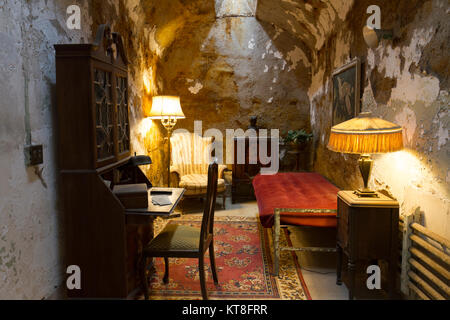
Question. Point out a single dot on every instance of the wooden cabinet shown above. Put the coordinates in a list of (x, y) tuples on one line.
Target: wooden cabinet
[(92, 100), (93, 145), (367, 231), (247, 164)]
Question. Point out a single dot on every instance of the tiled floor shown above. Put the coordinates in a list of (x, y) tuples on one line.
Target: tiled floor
[(319, 269)]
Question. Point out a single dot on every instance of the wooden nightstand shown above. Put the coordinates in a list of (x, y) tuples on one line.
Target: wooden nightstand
[(367, 230)]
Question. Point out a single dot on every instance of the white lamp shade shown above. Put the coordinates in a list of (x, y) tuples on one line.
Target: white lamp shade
[(166, 107)]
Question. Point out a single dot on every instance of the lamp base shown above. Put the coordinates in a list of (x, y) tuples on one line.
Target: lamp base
[(366, 193), (169, 124), (365, 166)]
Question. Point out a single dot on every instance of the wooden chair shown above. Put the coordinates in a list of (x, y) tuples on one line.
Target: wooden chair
[(185, 241)]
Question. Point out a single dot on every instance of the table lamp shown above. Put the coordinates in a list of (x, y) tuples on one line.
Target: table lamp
[(365, 135), (168, 110)]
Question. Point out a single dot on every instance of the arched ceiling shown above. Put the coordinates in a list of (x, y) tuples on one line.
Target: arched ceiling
[(310, 21)]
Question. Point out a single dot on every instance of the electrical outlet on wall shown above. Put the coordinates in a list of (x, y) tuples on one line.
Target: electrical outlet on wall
[(33, 155)]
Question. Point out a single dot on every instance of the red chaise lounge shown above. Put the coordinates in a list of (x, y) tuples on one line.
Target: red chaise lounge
[(295, 198)]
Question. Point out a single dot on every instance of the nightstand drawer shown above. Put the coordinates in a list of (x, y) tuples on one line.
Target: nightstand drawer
[(371, 236)]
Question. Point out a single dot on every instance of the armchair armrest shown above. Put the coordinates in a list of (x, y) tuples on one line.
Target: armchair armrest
[(222, 168), (175, 176), (175, 169)]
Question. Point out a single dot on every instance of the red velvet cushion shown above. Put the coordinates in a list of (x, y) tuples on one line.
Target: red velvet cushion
[(303, 190)]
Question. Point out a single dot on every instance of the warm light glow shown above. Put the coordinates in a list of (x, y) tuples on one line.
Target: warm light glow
[(144, 126), (403, 163), (404, 169), (148, 79), (164, 107)]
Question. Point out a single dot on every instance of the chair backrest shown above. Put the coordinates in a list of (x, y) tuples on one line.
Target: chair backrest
[(191, 153), (210, 204)]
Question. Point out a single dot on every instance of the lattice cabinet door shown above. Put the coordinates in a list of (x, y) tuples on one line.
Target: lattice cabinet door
[(92, 102), (123, 124), (104, 115)]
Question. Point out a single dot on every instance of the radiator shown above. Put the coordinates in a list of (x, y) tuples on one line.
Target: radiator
[(425, 261)]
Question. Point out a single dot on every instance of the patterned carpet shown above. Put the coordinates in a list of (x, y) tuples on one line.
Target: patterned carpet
[(244, 265)]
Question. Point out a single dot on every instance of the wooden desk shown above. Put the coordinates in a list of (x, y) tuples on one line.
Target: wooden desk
[(139, 223), (145, 215)]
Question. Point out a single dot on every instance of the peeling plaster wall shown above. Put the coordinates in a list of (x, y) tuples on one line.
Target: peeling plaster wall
[(30, 252), (227, 66), (418, 176), (404, 81), (149, 28), (31, 241)]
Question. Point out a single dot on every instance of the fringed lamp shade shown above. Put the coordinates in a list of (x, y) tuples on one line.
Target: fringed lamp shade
[(366, 134)]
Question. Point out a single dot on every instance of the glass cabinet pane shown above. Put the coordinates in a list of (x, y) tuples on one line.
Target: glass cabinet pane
[(103, 114), (123, 126)]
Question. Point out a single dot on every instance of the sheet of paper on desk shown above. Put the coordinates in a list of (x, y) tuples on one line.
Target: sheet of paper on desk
[(161, 200)]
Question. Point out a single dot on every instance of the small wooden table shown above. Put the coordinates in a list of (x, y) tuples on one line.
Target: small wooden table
[(367, 230)]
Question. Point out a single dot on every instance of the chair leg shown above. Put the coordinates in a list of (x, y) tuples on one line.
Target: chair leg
[(144, 276), (201, 269), (166, 273), (213, 262), (224, 197)]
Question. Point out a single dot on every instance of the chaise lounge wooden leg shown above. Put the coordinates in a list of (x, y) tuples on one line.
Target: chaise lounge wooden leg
[(166, 273), (213, 263), (201, 269), (276, 242)]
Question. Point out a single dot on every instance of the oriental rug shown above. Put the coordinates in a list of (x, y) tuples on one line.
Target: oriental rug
[(243, 251)]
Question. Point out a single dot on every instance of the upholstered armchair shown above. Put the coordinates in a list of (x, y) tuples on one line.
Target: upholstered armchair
[(191, 155)]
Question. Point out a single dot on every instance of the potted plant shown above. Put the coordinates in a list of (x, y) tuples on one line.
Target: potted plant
[(297, 139)]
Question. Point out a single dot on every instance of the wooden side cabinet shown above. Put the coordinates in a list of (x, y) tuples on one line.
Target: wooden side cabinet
[(367, 231), (244, 171)]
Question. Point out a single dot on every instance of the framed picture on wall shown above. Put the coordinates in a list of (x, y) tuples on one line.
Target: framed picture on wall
[(346, 91)]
